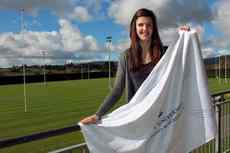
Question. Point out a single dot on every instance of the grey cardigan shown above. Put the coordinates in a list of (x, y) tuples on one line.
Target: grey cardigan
[(123, 79)]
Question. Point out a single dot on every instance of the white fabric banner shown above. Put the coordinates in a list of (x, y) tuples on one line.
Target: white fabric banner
[(170, 113)]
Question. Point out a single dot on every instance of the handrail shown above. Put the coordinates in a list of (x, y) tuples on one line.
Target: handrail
[(221, 93), (63, 150), (221, 103), (37, 136), (56, 132)]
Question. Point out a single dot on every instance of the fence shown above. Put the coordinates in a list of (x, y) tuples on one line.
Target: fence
[(222, 108), (221, 143)]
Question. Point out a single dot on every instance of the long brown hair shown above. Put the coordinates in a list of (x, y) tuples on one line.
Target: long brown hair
[(135, 51)]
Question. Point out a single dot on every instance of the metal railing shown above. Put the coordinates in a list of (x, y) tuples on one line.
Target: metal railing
[(222, 109), (221, 143), (79, 147), (37, 136)]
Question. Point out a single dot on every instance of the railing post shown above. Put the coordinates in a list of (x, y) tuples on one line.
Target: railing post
[(218, 110), (85, 149), (218, 135)]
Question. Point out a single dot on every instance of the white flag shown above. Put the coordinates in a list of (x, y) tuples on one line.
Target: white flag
[(171, 103)]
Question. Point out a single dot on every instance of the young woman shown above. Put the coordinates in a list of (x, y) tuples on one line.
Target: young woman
[(135, 63)]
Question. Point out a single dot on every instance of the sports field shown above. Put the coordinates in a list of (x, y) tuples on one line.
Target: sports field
[(52, 106)]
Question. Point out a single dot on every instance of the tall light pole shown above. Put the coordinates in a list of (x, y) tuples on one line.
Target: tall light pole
[(88, 69), (216, 67), (108, 44), (44, 66), (219, 70), (225, 67), (24, 68), (82, 77)]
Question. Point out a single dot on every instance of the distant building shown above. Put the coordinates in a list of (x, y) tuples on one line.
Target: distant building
[(218, 66)]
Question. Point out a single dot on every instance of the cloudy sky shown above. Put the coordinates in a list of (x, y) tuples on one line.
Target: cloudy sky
[(76, 30)]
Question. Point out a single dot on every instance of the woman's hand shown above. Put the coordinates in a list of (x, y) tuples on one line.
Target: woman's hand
[(184, 28), (90, 119)]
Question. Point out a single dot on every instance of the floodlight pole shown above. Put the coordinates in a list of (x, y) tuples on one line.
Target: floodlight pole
[(216, 68), (109, 43), (82, 71), (225, 67), (219, 70), (24, 68), (88, 71), (44, 67)]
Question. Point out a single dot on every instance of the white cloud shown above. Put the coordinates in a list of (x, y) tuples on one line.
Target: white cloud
[(168, 12), (80, 13), (31, 43), (68, 9), (60, 7), (169, 35), (73, 40), (71, 37), (122, 46), (58, 44), (209, 52), (118, 47), (91, 43), (224, 52), (94, 6), (16, 46), (222, 15), (222, 22)]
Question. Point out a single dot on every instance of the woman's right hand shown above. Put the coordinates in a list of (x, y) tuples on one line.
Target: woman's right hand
[(184, 28), (90, 119)]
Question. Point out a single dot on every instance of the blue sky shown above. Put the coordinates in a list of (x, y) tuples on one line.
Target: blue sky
[(76, 31)]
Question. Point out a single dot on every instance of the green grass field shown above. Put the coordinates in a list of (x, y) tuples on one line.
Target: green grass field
[(57, 105)]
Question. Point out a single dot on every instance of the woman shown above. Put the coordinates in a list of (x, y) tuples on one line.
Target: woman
[(135, 63)]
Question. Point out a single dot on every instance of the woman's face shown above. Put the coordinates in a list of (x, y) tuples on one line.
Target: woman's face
[(144, 28)]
